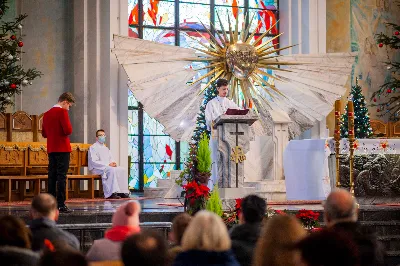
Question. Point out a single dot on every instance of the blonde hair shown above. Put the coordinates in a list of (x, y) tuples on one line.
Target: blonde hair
[(206, 231), (275, 245)]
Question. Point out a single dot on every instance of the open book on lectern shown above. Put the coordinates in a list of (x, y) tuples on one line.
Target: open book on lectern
[(237, 111)]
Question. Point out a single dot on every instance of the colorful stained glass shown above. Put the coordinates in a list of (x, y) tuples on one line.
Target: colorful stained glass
[(226, 12), (133, 122), (267, 19), (264, 4), (131, 99), (133, 12), (155, 171), (133, 32), (158, 149), (133, 181), (152, 125), (159, 35), (190, 15), (159, 13), (232, 3)]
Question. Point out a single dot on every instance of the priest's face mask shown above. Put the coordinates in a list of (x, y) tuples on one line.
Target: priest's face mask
[(223, 91), (101, 137)]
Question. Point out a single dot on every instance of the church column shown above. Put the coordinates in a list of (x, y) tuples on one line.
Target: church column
[(100, 84)]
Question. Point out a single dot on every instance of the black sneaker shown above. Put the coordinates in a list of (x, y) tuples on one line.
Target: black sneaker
[(114, 196), (64, 209), (124, 195)]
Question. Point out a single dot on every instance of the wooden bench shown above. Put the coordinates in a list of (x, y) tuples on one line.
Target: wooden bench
[(28, 161)]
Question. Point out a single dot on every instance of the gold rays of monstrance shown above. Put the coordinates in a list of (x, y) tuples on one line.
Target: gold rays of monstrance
[(241, 60)]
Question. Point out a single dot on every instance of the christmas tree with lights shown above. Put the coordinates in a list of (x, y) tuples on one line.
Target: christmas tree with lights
[(201, 126), (362, 126), (12, 77), (387, 98)]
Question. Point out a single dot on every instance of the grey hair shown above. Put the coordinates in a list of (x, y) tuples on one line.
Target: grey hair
[(336, 212)]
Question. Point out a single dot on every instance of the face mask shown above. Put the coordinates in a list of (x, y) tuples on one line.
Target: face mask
[(101, 139)]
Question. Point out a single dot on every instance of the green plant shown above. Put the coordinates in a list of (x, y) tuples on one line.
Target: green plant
[(204, 155), (214, 203)]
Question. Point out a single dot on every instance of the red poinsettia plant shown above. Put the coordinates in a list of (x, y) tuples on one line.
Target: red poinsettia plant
[(196, 195), (308, 218)]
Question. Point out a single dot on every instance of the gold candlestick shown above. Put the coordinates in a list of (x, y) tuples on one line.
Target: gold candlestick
[(350, 113), (337, 139)]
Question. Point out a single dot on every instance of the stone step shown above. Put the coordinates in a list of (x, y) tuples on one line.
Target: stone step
[(157, 192), (390, 242), (380, 214), (392, 258), (382, 228), (270, 186), (164, 182)]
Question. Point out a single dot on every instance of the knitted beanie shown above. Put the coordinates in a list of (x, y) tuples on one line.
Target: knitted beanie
[(127, 214)]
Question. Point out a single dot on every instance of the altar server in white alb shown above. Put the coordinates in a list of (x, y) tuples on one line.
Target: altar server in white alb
[(216, 107), (100, 162)]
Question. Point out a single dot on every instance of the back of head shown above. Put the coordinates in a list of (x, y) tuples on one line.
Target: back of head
[(61, 254), (328, 248), (66, 96), (145, 248), (275, 245), (13, 232), (43, 205), (207, 232), (127, 215), (253, 209), (18, 256), (179, 225), (340, 206)]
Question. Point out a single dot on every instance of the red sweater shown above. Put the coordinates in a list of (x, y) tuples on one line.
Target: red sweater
[(57, 128)]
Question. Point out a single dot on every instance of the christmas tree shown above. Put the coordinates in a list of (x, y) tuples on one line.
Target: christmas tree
[(387, 98), (201, 126), (13, 77), (362, 126)]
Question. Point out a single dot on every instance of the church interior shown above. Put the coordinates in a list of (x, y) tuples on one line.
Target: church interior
[(316, 84)]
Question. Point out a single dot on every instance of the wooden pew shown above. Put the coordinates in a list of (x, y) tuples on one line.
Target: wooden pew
[(28, 161)]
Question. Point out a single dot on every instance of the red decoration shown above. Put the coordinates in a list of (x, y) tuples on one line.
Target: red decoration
[(20, 44), (351, 132), (168, 151), (337, 132), (396, 32), (238, 206), (13, 37), (381, 45), (13, 86), (350, 114), (389, 91), (337, 113), (378, 110), (374, 99)]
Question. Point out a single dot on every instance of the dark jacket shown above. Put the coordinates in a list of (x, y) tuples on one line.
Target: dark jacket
[(18, 256), (370, 250), (244, 238), (44, 228), (201, 257)]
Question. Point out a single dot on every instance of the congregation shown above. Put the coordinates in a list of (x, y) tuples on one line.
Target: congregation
[(202, 239)]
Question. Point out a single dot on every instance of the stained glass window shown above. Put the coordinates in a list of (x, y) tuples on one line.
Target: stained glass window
[(153, 154)]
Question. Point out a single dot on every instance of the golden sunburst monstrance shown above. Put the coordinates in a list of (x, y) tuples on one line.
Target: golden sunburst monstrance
[(241, 60)]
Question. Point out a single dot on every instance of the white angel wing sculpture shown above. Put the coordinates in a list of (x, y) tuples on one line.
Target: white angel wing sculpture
[(160, 81)]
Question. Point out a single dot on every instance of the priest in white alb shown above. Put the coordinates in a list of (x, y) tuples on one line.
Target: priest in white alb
[(216, 107), (100, 162)]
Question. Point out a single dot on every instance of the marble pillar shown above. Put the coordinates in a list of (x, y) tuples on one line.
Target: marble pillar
[(99, 83)]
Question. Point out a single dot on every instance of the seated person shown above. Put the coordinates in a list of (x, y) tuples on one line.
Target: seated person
[(100, 162)]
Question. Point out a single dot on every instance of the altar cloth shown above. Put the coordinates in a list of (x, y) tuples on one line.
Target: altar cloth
[(305, 163)]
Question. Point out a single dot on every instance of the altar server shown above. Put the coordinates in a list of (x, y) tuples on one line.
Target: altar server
[(100, 162), (216, 107)]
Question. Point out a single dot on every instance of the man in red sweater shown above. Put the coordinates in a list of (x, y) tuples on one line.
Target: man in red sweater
[(57, 128)]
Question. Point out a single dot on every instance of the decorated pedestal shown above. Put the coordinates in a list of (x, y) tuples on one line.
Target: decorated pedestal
[(233, 143), (376, 168)]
